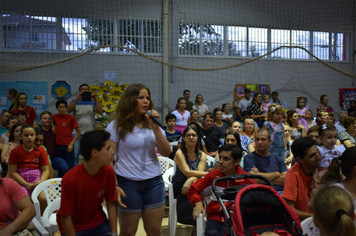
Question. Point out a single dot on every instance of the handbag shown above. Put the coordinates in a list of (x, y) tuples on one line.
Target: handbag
[(184, 210)]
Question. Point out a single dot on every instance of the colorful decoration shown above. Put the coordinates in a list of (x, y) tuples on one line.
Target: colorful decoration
[(109, 95), (61, 89), (346, 96)]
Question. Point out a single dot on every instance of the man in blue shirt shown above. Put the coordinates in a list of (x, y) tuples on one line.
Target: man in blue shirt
[(263, 163), (5, 114)]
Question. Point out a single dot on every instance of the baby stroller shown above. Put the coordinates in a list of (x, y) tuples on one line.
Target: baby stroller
[(257, 208)]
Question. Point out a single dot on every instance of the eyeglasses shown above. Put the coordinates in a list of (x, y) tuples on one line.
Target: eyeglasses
[(190, 135)]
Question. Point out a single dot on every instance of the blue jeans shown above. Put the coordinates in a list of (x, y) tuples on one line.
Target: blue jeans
[(213, 228), (60, 165), (101, 230), (68, 157), (76, 148)]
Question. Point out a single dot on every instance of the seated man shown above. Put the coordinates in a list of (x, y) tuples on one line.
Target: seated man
[(261, 162), (211, 135), (230, 156), (297, 186)]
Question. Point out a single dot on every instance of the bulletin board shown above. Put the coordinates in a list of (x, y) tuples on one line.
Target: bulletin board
[(37, 94), (239, 92)]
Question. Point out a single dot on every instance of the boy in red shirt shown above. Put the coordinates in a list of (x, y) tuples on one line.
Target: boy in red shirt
[(64, 125), (84, 188)]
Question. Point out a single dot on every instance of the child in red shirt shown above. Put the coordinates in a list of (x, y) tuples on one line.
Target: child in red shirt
[(20, 104), (84, 188), (28, 164), (65, 123)]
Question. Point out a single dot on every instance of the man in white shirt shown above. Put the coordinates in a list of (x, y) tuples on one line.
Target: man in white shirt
[(340, 124), (244, 103)]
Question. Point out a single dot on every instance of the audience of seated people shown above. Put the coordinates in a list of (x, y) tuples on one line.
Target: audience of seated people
[(309, 158)]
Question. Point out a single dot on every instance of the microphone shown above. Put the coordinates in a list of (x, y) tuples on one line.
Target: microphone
[(156, 120)]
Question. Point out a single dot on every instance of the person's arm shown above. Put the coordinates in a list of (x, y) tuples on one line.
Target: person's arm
[(34, 124), (45, 173), (301, 214), (198, 209), (5, 153), (304, 134), (271, 176), (119, 192), (238, 110), (213, 154), (258, 116), (27, 210), (280, 180), (179, 159), (67, 225), (347, 143), (251, 147), (98, 108), (162, 143), (71, 144), (15, 176), (72, 105), (111, 206)]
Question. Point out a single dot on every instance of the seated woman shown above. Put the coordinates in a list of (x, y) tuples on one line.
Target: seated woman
[(190, 162), (194, 117), (246, 143), (254, 109), (10, 122), (202, 143), (200, 106), (334, 212), (249, 129), (226, 112), (13, 201), (296, 129), (28, 164), (14, 141), (347, 137)]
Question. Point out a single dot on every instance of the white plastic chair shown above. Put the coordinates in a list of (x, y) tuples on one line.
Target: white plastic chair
[(49, 218), (52, 189), (166, 163), (172, 223), (167, 177), (200, 224)]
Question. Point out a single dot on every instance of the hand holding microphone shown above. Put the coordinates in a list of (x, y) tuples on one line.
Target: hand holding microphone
[(156, 120)]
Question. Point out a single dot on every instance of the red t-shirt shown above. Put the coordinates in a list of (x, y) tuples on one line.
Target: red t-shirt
[(297, 188), (30, 111), (83, 194), (64, 128), (30, 160), (10, 192)]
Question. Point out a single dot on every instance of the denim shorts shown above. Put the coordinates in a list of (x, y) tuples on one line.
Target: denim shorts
[(144, 194)]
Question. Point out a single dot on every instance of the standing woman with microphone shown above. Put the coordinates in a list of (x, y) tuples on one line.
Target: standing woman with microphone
[(140, 186)]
